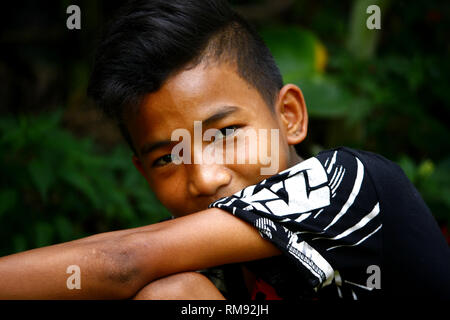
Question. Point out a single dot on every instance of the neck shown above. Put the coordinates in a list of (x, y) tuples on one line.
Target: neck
[(294, 158)]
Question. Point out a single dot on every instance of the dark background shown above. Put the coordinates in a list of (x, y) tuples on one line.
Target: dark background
[(65, 172)]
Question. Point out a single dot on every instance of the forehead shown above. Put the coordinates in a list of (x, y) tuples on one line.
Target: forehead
[(193, 95)]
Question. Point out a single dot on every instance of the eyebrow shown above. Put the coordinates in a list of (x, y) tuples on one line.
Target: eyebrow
[(221, 114), (149, 147)]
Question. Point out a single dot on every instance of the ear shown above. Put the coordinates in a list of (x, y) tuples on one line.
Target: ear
[(291, 109), (138, 164)]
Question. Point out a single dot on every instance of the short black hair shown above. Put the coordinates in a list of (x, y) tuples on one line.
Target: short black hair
[(150, 40)]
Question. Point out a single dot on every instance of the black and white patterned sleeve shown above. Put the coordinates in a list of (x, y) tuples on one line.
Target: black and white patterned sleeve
[(322, 213)]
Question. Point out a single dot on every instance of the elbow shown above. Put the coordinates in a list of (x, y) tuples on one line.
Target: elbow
[(134, 260), (121, 271)]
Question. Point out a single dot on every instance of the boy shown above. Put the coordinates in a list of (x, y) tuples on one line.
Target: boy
[(344, 224)]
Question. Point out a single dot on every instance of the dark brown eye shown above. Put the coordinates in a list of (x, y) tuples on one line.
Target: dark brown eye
[(164, 160), (225, 132)]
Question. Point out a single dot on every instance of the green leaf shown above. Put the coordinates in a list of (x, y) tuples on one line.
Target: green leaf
[(42, 176), (362, 41), (42, 127), (409, 167), (19, 243), (81, 183), (43, 234), (8, 199), (63, 228), (324, 98), (294, 50), (426, 168)]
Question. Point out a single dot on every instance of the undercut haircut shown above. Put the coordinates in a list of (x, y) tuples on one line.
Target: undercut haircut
[(150, 40)]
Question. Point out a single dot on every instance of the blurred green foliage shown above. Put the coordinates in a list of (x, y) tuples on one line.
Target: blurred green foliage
[(392, 102), (56, 187), (385, 91), (372, 105)]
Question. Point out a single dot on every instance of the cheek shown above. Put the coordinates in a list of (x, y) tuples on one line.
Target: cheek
[(262, 148), (169, 192), (250, 146)]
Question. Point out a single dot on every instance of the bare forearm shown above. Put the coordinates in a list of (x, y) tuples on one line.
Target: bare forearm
[(118, 264), (201, 240), (104, 267), (41, 273)]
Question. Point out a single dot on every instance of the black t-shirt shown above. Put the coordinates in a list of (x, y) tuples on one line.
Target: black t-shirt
[(350, 225)]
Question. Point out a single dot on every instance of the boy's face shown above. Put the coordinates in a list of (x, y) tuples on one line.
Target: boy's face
[(217, 96)]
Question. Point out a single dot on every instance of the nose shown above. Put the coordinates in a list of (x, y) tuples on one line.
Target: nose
[(206, 180)]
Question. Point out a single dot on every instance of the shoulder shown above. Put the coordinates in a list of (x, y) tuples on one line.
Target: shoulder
[(415, 254), (375, 163), (392, 187), (385, 176)]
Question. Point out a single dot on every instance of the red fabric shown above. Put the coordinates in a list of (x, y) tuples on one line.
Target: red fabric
[(446, 233), (265, 290)]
